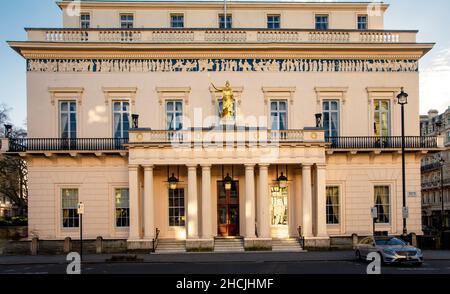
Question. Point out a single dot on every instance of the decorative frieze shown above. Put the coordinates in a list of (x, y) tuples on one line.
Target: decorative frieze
[(221, 65)]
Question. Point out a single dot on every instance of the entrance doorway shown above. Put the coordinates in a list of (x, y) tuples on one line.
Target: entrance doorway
[(228, 209)]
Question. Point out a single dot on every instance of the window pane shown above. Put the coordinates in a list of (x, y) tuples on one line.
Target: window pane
[(382, 203), (332, 205), (69, 204), (176, 208)]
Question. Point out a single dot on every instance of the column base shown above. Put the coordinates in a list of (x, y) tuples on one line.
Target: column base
[(139, 244), (312, 243), (200, 245), (258, 244)]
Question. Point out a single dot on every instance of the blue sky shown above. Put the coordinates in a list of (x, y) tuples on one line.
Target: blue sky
[(430, 17)]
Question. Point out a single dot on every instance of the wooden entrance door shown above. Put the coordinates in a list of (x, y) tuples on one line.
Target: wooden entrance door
[(228, 210)]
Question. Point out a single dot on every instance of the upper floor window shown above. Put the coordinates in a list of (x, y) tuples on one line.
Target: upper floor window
[(220, 109), (68, 119), (177, 21), (273, 21), (121, 119), (279, 114), (174, 115), (126, 21), (70, 217), (85, 20), (448, 137), (322, 22), (362, 22), (229, 21), (382, 203), (331, 118), (382, 119)]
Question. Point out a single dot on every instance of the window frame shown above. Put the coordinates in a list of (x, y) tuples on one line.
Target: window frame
[(181, 222), (358, 22), (83, 21), (127, 20), (389, 205), (69, 113), (121, 112), (316, 23), (380, 112), (269, 23), (126, 225), (221, 21), (174, 113), (76, 216), (339, 214), (278, 111), (328, 132), (172, 22)]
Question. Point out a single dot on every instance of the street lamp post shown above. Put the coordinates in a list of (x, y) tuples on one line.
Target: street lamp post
[(402, 99)]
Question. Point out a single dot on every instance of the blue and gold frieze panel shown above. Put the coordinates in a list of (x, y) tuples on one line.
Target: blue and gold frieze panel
[(220, 65)]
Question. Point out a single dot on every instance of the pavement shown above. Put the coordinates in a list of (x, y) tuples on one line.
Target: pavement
[(203, 258)]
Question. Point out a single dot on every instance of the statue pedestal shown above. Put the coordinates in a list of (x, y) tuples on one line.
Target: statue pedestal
[(227, 123)]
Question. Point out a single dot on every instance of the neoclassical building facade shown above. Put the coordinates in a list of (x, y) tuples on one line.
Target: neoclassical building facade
[(125, 108)]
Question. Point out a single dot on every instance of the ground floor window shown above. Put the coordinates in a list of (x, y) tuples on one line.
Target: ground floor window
[(177, 217), (279, 208), (70, 217), (122, 208), (382, 203), (333, 205)]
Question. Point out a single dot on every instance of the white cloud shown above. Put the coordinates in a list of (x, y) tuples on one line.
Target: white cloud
[(434, 83)]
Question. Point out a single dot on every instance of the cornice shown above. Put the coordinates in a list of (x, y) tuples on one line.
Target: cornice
[(37, 50), (243, 5)]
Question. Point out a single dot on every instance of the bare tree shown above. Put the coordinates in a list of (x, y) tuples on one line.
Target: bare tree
[(13, 169)]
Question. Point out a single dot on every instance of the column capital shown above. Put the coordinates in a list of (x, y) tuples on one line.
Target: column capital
[(206, 166), (148, 167), (321, 166), (191, 166), (264, 165), (249, 165), (306, 165), (133, 167)]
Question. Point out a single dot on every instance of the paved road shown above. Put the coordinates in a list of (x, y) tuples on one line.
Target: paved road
[(293, 267)]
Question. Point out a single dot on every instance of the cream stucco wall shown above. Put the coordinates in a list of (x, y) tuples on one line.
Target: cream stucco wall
[(206, 16), (95, 115)]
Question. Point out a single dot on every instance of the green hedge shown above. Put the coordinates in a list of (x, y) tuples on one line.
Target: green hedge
[(13, 221)]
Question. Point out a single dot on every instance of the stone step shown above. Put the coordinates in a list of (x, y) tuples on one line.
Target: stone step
[(229, 245), (171, 246)]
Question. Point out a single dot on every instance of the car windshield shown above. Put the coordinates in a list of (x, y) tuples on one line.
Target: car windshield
[(390, 242)]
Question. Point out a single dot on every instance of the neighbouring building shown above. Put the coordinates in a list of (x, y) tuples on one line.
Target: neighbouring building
[(7, 208), (433, 184), (126, 108)]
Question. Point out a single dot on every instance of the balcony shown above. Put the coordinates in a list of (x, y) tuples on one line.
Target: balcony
[(382, 143), (148, 35), (430, 167), (207, 137), (21, 145)]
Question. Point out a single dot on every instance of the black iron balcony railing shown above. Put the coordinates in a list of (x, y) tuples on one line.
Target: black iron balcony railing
[(430, 167), (381, 142), (57, 144)]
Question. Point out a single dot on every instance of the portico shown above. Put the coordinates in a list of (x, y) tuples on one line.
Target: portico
[(253, 206)]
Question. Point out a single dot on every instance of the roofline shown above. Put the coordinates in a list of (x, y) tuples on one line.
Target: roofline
[(215, 29), (197, 4)]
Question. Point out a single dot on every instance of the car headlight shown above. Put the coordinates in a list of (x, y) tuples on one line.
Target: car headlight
[(389, 251)]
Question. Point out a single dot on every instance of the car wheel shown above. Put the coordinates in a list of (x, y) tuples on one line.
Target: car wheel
[(358, 255), (418, 264)]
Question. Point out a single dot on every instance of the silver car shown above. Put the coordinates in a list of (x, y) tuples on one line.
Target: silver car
[(391, 249)]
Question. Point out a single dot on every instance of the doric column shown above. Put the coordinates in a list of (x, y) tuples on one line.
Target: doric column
[(133, 182), (264, 202), (206, 203), (192, 203), (307, 200), (149, 203), (250, 200), (321, 201)]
